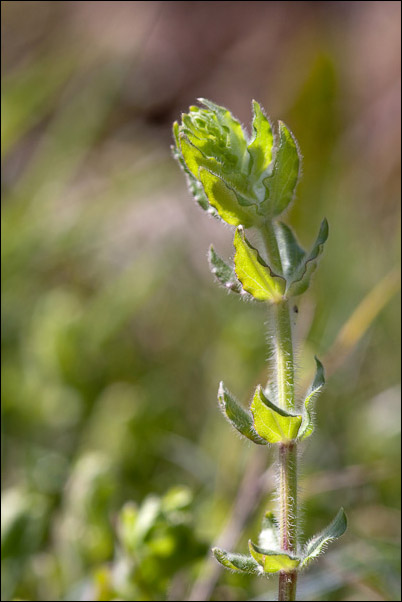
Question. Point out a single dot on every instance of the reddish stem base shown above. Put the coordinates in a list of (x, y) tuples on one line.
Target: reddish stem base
[(287, 586)]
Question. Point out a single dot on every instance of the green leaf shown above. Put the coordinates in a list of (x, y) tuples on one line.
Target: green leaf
[(255, 275), (199, 195), (317, 544), (268, 538), (272, 561), (237, 139), (237, 562), (260, 148), (317, 385), (215, 141), (302, 275), (237, 416), (281, 184), (272, 423), (195, 186), (292, 255), (195, 159), (223, 272), (224, 200)]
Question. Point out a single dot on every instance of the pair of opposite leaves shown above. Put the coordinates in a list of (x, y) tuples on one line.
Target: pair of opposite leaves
[(252, 275), (268, 423), (267, 557)]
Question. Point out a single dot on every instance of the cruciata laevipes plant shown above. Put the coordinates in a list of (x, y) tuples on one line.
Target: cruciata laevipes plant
[(248, 182)]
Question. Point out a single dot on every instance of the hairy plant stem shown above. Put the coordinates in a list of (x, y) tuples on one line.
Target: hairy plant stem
[(287, 451), (288, 515), (284, 363), (282, 331), (287, 585)]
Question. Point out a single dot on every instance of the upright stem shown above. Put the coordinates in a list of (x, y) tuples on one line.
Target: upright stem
[(288, 515), (287, 585), (284, 362), (287, 451), (284, 356), (288, 496)]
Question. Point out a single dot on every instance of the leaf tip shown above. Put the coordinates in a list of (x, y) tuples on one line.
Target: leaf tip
[(221, 396), (324, 229), (343, 516), (221, 388), (259, 393), (318, 363)]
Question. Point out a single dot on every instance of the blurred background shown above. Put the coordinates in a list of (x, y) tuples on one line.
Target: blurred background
[(119, 473)]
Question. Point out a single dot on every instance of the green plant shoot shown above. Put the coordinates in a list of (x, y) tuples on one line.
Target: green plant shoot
[(249, 183)]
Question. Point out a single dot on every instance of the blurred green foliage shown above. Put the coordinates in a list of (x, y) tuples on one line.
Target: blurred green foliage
[(114, 336)]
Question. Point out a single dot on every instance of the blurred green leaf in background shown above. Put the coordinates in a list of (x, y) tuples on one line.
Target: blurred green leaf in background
[(114, 336)]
